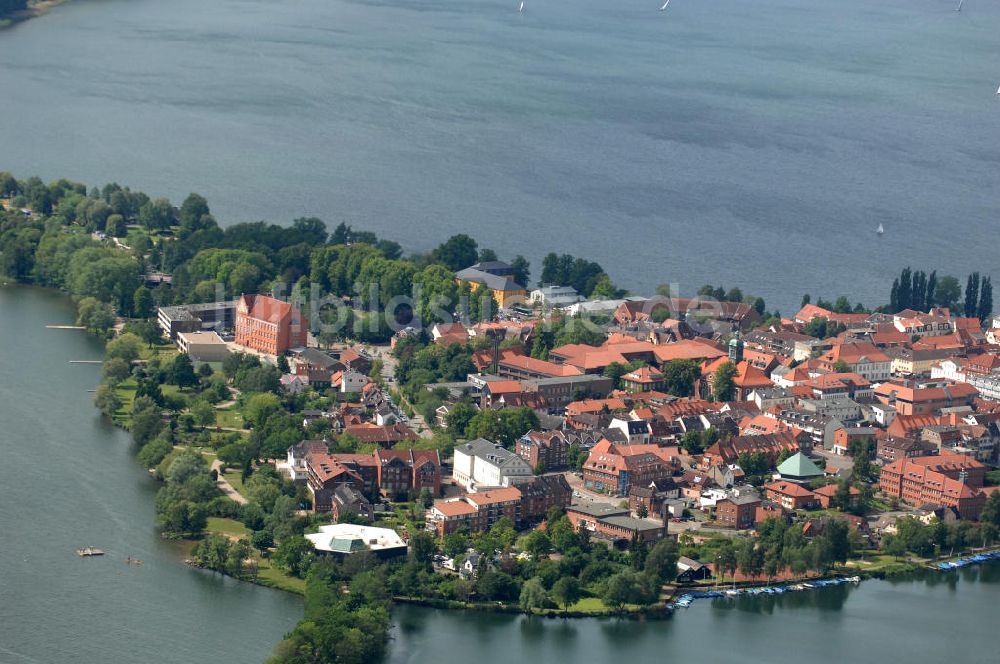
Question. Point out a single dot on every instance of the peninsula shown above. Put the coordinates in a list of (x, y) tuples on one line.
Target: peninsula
[(332, 417)]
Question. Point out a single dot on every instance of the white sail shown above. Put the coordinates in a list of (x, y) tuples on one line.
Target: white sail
[(880, 229), (664, 5), (960, 3), (520, 8)]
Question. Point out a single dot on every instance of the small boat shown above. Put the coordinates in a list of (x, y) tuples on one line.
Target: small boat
[(132, 561), (665, 5), (880, 229), (88, 551)]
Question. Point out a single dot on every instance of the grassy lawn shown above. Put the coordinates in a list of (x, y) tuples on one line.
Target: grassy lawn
[(275, 578), (229, 417), (229, 527), (126, 392), (589, 604), (235, 478)]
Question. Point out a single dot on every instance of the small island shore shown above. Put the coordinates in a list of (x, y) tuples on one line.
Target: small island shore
[(35, 8)]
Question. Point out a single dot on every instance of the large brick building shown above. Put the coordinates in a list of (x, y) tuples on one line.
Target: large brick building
[(543, 449), (268, 325), (403, 471), (949, 480), (540, 494), (615, 469), (614, 523), (475, 512)]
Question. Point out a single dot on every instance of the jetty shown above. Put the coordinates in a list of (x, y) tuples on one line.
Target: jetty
[(86, 361), (686, 599), (65, 327), (970, 560), (88, 551)]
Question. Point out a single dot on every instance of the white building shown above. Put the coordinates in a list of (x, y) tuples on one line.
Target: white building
[(202, 346), (343, 539), (552, 297), (349, 382), (480, 463)]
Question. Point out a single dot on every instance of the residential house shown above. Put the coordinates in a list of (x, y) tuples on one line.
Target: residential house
[(402, 472), (545, 450), (791, 496), (475, 512), (347, 500), (542, 493), (738, 509)]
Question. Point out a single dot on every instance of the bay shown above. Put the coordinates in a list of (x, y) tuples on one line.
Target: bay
[(756, 144)]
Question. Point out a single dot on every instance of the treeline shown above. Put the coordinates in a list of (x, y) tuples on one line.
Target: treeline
[(947, 539), (919, 291), (8, 7), (581, 569), (53, 247)]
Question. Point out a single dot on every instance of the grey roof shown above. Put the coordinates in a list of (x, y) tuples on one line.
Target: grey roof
[(488, 451), (491, 281), (598, 510), (631, 523)]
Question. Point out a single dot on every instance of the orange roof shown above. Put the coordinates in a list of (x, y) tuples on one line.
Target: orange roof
[(264, 307), (454, 507), (493, 496), (789, 489), (504, 386)]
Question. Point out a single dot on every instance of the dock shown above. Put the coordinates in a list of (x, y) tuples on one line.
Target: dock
[(65, 327), (86, 361)]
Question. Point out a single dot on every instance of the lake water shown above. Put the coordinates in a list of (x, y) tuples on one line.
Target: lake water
[(946, 619), (752, 143), (69, 479)]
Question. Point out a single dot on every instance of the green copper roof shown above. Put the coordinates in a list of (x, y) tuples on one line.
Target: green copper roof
[(799, 466), (345, 545)]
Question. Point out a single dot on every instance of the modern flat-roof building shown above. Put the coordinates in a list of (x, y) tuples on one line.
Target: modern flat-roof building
[(216, 316), (202, 346), (343, 539)]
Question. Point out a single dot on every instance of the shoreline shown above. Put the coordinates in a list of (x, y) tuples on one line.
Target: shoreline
[(35, 9)]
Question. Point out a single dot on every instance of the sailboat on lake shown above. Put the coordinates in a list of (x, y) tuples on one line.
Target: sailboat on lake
[(880, 230), (665, 5), (520, 8)]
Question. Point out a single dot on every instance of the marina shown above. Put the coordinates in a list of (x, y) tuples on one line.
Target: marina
[(686, 599)]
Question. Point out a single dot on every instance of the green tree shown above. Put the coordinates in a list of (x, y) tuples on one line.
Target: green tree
[(182, 371), (724, 385), (127, 347), (107, 400), (947, 292), (661, 561), (259, 407), (203, 413), (533, 595), (566, 591), (457, 252), (142, 303), (294, 555)]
